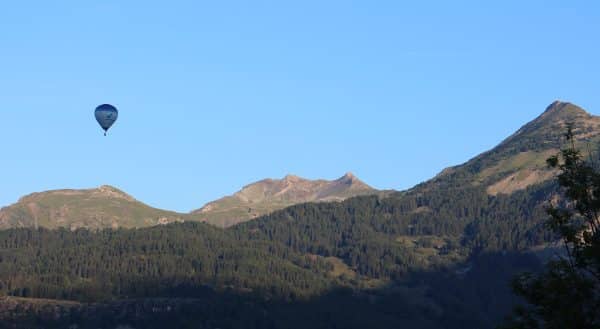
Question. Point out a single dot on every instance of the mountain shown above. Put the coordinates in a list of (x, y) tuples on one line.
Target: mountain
[(520, 160), (109, 207), (96, 208), (439, 255), (515, 164), (268, 195)]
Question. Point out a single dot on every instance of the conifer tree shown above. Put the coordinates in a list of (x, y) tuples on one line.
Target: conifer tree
[(567, 293)]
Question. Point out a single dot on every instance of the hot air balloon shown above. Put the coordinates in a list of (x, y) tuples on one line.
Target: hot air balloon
[(106, 115)]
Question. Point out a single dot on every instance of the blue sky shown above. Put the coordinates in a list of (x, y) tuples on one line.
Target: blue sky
[(215, 95)]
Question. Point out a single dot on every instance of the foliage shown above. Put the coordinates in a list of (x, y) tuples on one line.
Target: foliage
[(566, 294), (289, 263), (438, 255)]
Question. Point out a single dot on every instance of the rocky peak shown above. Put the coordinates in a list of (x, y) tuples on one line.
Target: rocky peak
[(110, 191), (292, 179), (268, 195), (562, 111), (549, 127), (519, 161), (350, 180)]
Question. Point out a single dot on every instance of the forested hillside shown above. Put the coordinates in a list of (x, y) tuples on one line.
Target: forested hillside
[(439, 255), (272, 278), (382, 258)]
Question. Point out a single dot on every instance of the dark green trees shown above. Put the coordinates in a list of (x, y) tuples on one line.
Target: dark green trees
[(567, 293)]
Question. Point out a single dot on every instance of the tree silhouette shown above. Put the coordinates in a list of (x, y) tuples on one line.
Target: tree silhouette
[(566, 294)]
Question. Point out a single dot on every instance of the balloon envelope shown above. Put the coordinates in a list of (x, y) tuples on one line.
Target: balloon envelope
[(106, 115)]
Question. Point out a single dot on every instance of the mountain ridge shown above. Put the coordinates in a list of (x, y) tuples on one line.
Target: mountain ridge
[(106, 206), (93, 208), (442, 251), (267, 195), (514, 164), (519, 160)]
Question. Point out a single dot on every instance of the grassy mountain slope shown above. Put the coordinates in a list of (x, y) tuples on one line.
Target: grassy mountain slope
[(268, 195), (514, 165), (436, 256), (519, 160), (103, 207), (108, 207)]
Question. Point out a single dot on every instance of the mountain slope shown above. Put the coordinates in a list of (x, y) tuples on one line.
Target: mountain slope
[(96, 208), (439, 255), (108, 207), (268, 195), (514, 165), (493, 202), (520, 160)]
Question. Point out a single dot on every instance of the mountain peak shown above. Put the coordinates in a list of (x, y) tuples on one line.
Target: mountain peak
[(351, 180), (563, 110), (268, 195), (289, 178), (519, 160), (108, 188), (111, 191), (94, 208), (549, 127), (556, 105)]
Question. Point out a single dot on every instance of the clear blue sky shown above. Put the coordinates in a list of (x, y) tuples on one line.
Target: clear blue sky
[(215, 96)]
